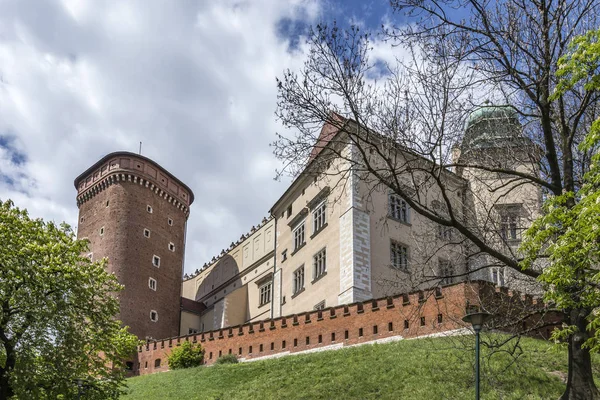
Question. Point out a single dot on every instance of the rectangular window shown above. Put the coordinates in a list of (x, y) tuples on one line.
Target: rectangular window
[(399, 256), (171, 247), (319, 264), (156, 261), (265, 293), (149, 209), (446, 272), (147, 233), (497, 275), (509, 223), (298, 280), (284, 255), (319, 217), (152, 283), (170, 221), (398, 208), (101, 231), (153, 316), (299, 236)]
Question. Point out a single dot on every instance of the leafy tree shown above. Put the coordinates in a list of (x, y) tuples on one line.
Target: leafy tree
[(58, 337), (414, 110), (187, 355), (569, 231)]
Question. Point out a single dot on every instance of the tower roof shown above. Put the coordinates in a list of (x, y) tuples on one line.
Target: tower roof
[(492, 126), (107, 157)]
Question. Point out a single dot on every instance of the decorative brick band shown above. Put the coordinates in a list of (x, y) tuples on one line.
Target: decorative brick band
[(117, 177)]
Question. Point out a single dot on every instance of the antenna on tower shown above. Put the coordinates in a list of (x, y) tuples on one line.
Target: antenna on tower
[(140, 148)]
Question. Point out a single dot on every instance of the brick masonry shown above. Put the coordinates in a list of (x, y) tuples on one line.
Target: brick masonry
[(113, 199), (374, 320)]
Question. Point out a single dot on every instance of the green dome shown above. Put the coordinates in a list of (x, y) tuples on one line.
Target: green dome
[(492, 126)]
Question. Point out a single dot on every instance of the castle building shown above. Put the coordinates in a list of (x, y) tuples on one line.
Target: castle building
[(334, 237)]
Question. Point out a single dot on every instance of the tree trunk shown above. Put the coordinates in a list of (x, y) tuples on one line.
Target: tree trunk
[(580, 381)]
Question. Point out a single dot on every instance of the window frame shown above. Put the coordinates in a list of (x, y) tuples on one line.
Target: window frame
[(319, 217), (265, 293), (398, 208), (320, 270), (404, 255), (300, 227), (298, 275), (155, 313), (150, 281), (154, 258)]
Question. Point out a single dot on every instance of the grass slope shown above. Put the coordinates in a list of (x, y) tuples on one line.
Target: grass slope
[(414, 369)]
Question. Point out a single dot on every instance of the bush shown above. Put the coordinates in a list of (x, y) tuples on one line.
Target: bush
[(186, 356), (227, 359)]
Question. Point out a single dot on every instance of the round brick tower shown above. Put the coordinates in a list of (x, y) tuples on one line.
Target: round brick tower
[(134, 212)]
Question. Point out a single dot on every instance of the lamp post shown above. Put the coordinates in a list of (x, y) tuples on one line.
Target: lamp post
[(477, 320)]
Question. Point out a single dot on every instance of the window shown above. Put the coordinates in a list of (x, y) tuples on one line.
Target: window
[(265, 293), (422, 321), (156, 261), (107, 202), (191, 331), (497, 275), (170, 221), (299, 236), (319, 264), (399, 256), (153, 316), (509, 222), (149, 209), (284, 255), (320, 305), (440, 318), (157, 363), (171, 246), (298, 280), (446, 272), (319, 217), (398, 208), (101, 231), (147, 233), (152, 283), (445, 232)]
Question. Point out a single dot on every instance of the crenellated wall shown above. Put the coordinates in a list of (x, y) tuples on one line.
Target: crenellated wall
[(335, 327)]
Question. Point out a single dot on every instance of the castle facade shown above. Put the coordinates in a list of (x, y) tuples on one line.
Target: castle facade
[(334, 237)]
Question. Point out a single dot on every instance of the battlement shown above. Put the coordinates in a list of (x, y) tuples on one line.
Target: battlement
[(434, 312)]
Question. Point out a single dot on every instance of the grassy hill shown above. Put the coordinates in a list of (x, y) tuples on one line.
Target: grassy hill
[(439, 368)]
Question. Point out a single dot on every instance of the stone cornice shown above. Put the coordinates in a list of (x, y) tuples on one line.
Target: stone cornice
[(120, 176)]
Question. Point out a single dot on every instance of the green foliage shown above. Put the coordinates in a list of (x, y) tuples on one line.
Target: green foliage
[(436, 368), (186, 355), (57, 323), (568, 233), (227, 359)]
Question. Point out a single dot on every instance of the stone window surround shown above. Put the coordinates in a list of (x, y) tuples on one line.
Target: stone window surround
[(149, 208), (402, 245), (152, 283), (156, 261), (295, 290), (147, 232), (153, 316), (324, 269)]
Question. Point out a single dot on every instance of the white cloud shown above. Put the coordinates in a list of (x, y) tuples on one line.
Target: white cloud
[(195, 81)]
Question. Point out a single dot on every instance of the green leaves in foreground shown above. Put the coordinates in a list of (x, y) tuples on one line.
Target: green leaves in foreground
[(569, 231), (57, 325)]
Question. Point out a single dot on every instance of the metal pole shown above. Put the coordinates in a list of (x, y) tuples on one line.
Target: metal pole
[(477, 364)]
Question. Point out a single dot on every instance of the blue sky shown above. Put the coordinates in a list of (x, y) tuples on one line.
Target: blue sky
[(193, 80)]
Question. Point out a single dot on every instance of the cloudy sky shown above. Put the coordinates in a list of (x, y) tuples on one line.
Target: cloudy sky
[(193, 80)]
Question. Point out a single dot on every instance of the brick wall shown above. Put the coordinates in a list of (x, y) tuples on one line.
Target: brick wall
[(426, 313)]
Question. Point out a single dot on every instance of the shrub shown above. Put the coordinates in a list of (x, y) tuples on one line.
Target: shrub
[(227, 359), (186, 356)]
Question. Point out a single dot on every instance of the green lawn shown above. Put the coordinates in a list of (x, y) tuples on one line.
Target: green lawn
[(412, 369)]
